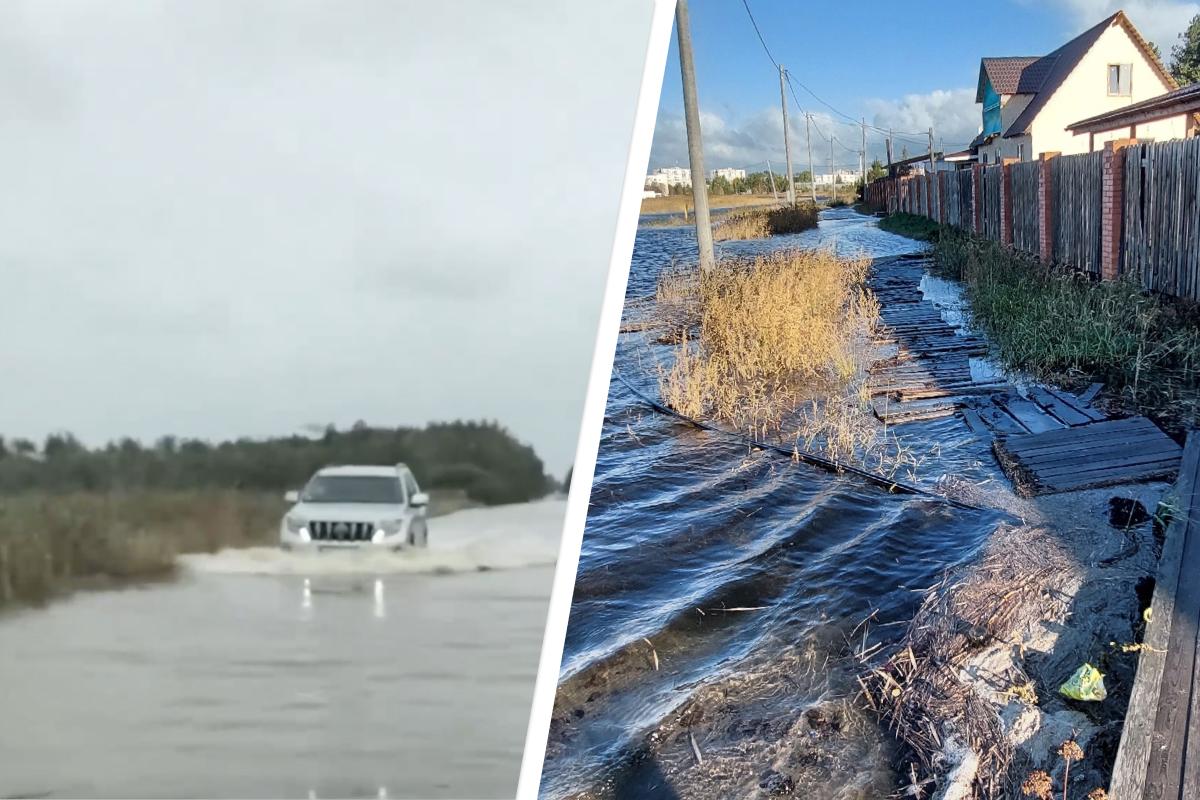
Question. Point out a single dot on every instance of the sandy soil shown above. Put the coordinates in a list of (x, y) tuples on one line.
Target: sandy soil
[(1090, 604)]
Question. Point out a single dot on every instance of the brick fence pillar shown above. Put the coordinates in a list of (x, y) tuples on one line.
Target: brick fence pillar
[(1112, 212), (1046, 208), (977, 198), (1006, 204)]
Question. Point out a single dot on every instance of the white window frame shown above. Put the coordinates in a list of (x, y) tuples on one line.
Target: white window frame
[(1108, 80)]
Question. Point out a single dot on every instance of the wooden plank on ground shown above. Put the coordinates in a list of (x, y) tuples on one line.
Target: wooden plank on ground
[(1062, 411), (1173, 722), (1029, 414), (1088, 456)]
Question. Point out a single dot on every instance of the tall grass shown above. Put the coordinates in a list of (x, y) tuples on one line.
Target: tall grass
[(50, 542), (759, 223), (772, 343), (912, 226), (1062, 326)]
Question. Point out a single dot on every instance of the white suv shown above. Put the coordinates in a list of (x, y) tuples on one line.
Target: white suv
[(348, 507)]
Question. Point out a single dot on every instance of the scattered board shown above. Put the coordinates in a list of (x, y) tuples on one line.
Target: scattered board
[(1087, 456)]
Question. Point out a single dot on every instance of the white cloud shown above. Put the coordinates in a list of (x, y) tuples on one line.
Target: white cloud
[(1160, 21), (952, 113), (750, 141)]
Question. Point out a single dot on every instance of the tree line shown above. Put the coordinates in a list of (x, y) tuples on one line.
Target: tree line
[(482, 458)]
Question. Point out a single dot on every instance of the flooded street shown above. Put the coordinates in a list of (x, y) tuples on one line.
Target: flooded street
[(264, 674), (720, 590)]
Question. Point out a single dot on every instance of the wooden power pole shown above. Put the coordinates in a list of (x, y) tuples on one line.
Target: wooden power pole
[(787, 148), (864, 153), (691, 113), (812, 176), (832, 170)]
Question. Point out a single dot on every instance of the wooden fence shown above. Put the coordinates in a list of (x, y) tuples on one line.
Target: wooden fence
[(1025, 205), (1077, 199), (992, 176), (1129, 210), (1162, 216)]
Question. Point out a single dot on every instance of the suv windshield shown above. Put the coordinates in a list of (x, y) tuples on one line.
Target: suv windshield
[(352, 489)]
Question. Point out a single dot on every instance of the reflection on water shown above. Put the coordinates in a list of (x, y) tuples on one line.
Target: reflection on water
[(718, 588), (269, 683)]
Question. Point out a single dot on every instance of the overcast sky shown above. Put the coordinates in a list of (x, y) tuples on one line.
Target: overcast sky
[(225, 219)]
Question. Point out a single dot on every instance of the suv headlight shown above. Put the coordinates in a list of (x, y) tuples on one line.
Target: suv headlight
[(294, 524), (390, 526)]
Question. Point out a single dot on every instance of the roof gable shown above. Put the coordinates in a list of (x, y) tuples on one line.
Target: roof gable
[(1003, 72), (1052, 70)]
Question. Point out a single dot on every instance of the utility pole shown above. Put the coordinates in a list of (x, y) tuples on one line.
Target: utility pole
[(812, 176), (832, 172), (933, 186), (864, 153), (787, 148), (889, 152), (774, 191), (691, 112)]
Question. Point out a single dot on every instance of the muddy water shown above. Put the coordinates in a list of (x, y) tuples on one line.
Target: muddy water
[(720, 592), (264, 674)]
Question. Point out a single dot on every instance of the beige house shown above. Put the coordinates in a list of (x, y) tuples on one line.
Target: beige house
[(1029, 101)]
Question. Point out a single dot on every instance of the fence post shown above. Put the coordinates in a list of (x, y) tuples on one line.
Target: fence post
[(977, 198), (1046, 208), (1006, 203), (1112, 213), (928, 195)]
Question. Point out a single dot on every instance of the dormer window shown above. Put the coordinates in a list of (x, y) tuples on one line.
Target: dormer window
[(1119, 84)]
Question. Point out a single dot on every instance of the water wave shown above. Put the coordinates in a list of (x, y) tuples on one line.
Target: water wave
[(502, 537)]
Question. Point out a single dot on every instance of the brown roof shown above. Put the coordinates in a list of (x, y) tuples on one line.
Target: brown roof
[(1054, 68), (1004, 73), (1180, 101)]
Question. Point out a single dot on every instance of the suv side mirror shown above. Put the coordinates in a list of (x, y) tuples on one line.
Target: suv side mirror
[(419, 499), (292, 497)]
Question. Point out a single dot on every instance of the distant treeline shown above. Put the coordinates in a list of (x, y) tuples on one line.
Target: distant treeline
[(481, 458)]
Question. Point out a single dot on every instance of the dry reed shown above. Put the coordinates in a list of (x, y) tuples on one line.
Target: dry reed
[(919, 690), (50, 542), (773, 345)]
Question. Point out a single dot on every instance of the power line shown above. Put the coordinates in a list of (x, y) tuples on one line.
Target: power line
[(850, 120)]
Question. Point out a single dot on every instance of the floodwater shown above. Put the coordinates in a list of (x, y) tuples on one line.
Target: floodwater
[(717, 608), (267, 674)]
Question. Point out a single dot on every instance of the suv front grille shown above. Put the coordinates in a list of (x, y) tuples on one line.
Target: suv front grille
[(341, 531)]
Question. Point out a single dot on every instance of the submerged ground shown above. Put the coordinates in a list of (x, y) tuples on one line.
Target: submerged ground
[(728, 599), (264, 674)]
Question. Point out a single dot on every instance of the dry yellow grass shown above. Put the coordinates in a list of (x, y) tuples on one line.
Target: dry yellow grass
[(677, 203), (757, 223), (780, 344)]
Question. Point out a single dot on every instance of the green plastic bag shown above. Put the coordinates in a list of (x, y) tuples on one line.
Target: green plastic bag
[(1086, 684)]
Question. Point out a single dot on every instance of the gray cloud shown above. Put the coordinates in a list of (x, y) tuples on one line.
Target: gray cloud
[(235, 218), (1160, 21)]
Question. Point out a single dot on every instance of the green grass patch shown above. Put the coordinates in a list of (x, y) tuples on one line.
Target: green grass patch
[(1061, 326), (912, 226)]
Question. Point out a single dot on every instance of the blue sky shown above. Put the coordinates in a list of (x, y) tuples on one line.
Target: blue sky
[(902, 66)]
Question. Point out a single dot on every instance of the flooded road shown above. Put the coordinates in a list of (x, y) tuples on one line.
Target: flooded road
[(720, 591), (264, 674)]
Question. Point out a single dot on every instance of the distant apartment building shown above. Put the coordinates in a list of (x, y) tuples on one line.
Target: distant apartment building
[(669, 176), (839, 176), (728, 173)]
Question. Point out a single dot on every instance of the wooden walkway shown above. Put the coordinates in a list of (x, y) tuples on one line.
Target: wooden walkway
[(1159, 754), (1089, 455), (1047, 440)]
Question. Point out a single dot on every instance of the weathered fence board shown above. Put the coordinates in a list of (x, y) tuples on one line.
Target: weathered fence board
[(1162, 217), (992, 177), (1078, 201), (1025, 205)]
